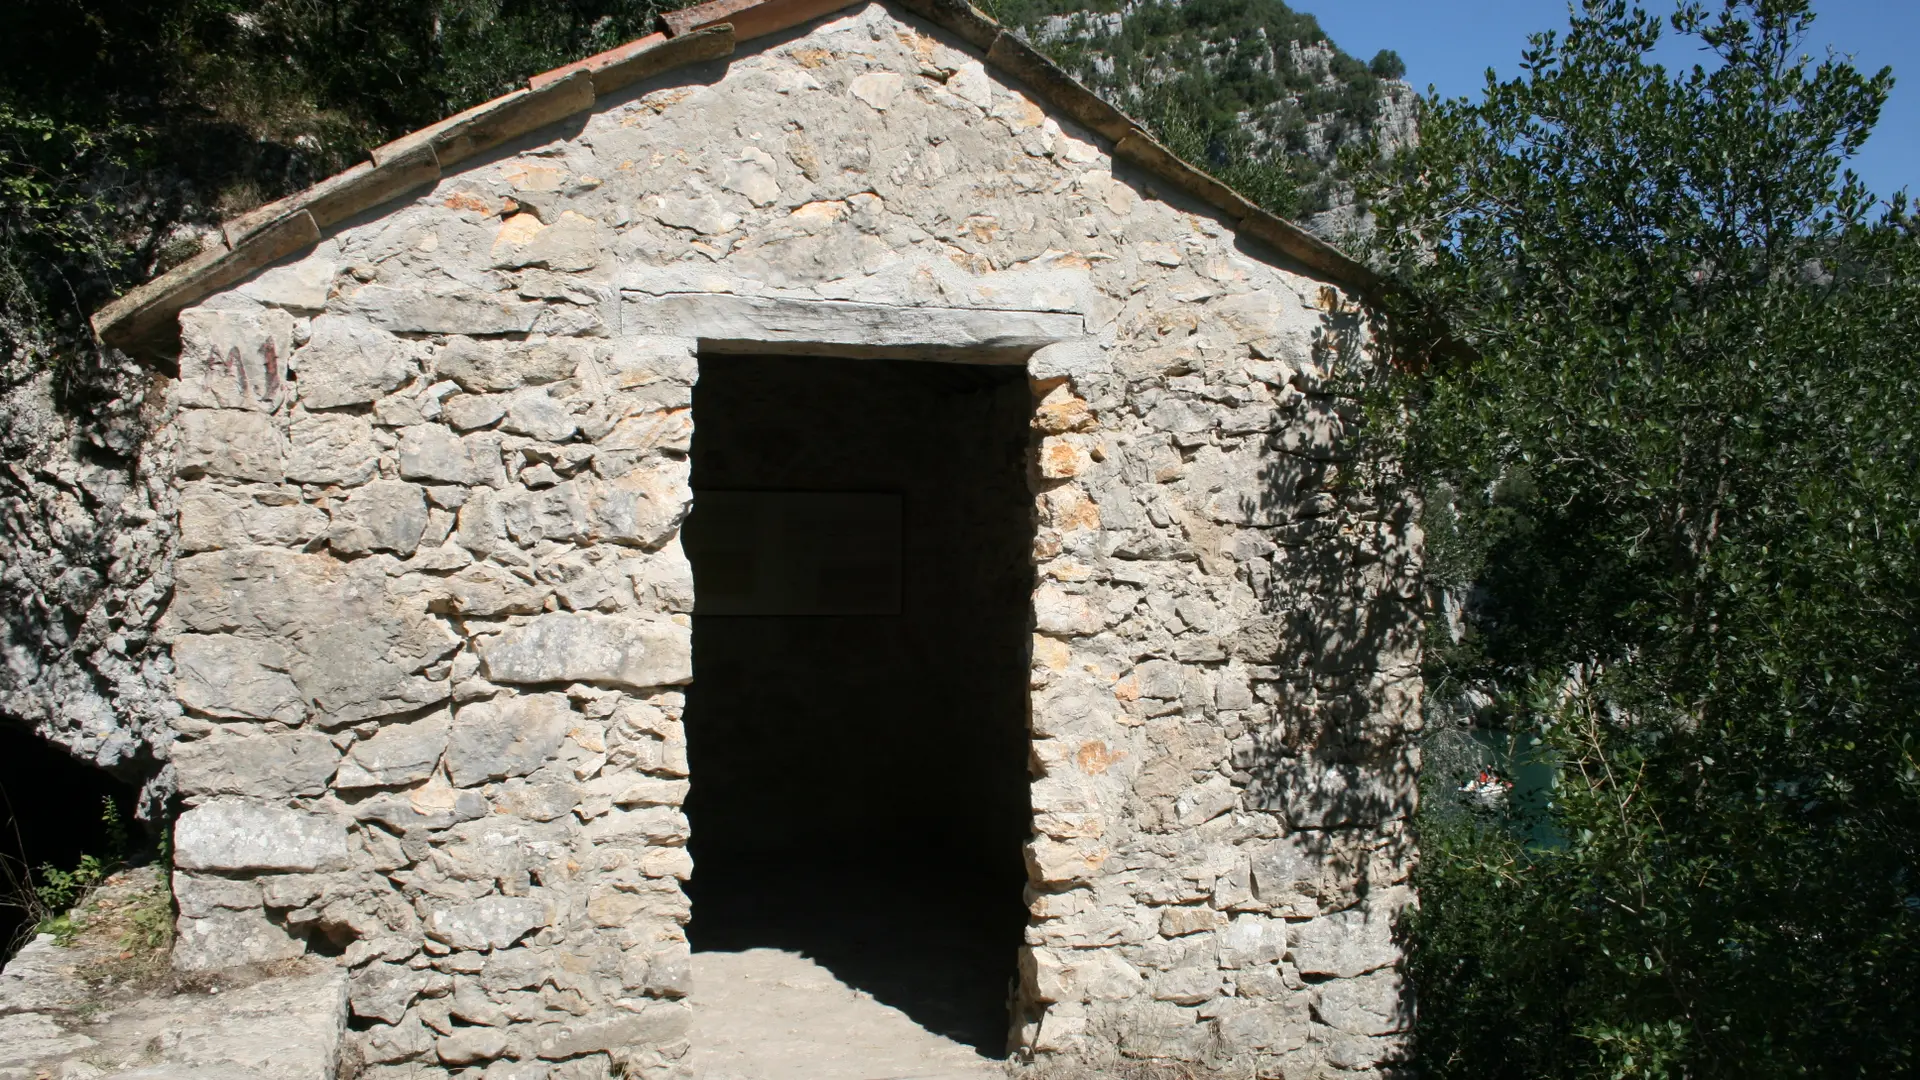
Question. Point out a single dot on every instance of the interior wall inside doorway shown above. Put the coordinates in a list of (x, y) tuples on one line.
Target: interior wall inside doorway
[(860, 784)]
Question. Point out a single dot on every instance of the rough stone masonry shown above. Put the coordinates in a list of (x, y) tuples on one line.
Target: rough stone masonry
[(430, 613)]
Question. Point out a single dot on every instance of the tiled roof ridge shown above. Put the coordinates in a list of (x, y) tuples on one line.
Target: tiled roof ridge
[(705, 32)]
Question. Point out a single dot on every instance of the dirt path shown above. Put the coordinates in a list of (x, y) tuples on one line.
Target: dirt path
[(764, 1014)]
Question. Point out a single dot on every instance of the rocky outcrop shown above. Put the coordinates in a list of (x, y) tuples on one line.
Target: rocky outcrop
[(1299, 100), (86, 545)]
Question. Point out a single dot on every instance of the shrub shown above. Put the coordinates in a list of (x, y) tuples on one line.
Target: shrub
[(1661, 390)]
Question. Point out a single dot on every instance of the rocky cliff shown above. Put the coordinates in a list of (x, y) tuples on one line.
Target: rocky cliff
[(85, 557), (1251, 90)]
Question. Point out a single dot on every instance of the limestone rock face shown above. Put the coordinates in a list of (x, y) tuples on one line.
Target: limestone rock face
[(87, 541)]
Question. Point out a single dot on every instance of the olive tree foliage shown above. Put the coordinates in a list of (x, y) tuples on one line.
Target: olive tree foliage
[(1671, 451)]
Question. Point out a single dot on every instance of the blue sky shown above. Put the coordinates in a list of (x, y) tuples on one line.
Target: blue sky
[(1451, 43)]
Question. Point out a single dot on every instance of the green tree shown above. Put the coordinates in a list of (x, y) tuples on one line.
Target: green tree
[(128, 125), (1673, 469)]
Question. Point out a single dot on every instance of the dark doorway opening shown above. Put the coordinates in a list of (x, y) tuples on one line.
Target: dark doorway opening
[(860, 785), (52, 812)]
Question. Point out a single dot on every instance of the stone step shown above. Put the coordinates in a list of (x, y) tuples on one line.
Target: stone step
[(92, 1009)]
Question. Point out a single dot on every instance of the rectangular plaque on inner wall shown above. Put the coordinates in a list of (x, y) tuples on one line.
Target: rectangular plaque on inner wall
[(794, 552)]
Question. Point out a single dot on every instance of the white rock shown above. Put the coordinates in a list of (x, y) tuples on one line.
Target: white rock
[(658, 1022), (493, 740), (1375, 1004), (231, 442), (331, 448), (1076, 360), (304, 286), (399, 753), (642, 507), (570, 647), (1351, 942), (492, 922), (353, 647), (234, 359), (349, 361), (464, 412), (455, 311), (480, 366), (1057, 611), (431, 452), (701, 214), (214, 517), (488, 591), (665, 429), (876, 88), (263, 764), (224, 939), (32, 1039), (1274, 1028), (533, 412), (571, 244), (240, 678), (753, 176), (386, 515), (970, 84), (1250, 940), (230, 835)]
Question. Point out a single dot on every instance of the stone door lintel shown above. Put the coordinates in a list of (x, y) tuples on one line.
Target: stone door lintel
[(1053, 340)]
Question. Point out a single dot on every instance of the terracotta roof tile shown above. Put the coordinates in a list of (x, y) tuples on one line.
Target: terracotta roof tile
[(598, 61), (149, 312), (750, 18), (340, 197), (663, 54)]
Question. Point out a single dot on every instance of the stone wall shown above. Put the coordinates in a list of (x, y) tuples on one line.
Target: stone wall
[(430, 611)]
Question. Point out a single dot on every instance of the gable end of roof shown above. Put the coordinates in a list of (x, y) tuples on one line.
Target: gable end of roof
[(145, 319)]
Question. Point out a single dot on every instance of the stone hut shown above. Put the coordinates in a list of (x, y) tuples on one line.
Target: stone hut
[(814, 470)]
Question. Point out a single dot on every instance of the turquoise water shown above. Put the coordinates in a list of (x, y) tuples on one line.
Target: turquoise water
[(1518, 757)]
